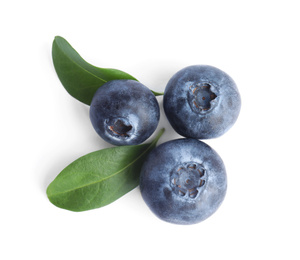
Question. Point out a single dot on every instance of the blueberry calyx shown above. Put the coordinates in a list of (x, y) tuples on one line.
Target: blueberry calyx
[(201, 98), (119, 127), (188, 179)]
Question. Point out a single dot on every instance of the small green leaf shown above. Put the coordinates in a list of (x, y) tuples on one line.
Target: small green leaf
[(80, 78), (100, 177)]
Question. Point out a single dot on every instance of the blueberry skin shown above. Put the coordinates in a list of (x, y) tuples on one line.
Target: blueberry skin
[(201, 102), (124, 112), (183, 181)]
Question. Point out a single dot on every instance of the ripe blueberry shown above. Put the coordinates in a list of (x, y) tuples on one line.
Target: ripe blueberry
[(201, 102), (183, 181), (124, 112)]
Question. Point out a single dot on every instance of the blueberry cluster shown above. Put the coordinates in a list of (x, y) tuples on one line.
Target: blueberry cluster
[(182, 181)]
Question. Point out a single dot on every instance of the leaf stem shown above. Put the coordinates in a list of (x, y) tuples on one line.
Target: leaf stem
[(157, 93), (158, 136)]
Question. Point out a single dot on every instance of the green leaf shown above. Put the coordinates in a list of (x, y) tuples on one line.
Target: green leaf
[(80, 78), (100, 177)]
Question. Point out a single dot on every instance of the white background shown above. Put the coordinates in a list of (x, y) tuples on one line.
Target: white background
[(44, 129)]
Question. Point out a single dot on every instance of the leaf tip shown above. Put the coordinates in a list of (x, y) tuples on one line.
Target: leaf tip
[(161, 131), (48, 191), (57, 37)]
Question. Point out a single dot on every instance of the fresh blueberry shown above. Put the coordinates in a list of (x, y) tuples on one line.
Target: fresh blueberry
[(183, 181), (201, 102), (124, 112)]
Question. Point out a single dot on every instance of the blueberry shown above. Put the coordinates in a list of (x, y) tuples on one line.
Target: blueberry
[(124, 112), (183, 181), (201, 102)]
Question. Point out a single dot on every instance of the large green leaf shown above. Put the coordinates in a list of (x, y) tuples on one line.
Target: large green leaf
[(99, 178), (80, 78)]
